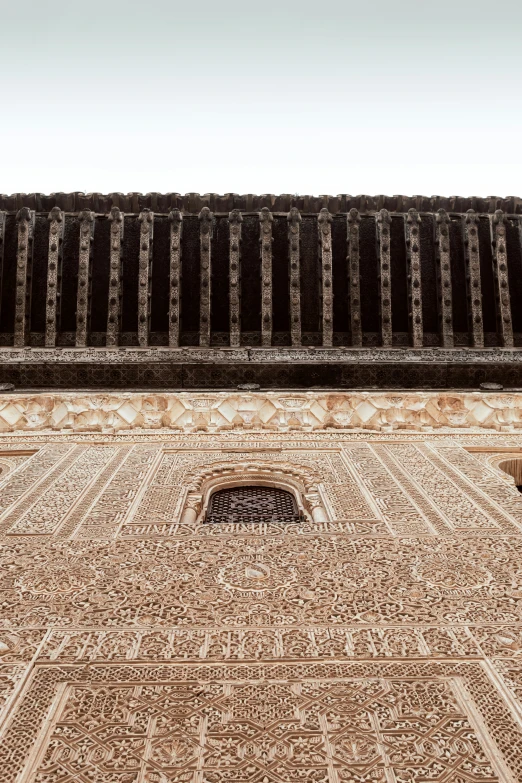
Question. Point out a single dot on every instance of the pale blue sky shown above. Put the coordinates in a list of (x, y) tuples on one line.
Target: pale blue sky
[(396, 97)]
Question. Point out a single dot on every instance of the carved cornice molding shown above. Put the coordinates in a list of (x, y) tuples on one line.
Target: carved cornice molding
[(193, 203), (272, 411), (283, 355)]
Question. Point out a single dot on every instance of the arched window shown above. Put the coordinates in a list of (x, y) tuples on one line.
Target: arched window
[(252, 504), (513, 467)]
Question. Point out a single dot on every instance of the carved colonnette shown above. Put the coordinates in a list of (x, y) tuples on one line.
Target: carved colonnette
[(206, 223), (471, 243), (354, 277), (324, 221), (500, 271), (25, 221), (294, 219), (54, 275), (83, 298), (146, 219), (412, 225), (115, 284), (444, 294), (266, 220), (176, 226), (234, 279), (383, 223)]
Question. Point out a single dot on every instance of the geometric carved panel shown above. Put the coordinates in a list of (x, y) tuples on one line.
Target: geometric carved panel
[(323, 723), (258, 581)]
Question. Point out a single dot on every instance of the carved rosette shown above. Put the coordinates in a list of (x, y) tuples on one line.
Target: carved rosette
[(324, 225), (54, 269), (354, 277), (383, 224), (206, 218), (176, 228), (442, 245), (265, 240), (86, 218), (473, 278), (25, 220), (146, 219), (114, 308), (294, 219), (413, 222), (500, 270), (235, 219)]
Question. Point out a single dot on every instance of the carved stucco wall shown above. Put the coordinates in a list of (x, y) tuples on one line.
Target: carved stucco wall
[(378, 640)]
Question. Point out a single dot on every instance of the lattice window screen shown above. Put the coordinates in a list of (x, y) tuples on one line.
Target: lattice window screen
[(252, 504)]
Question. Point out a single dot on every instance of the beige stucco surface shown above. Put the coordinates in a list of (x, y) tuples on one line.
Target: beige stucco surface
[(380, 639)]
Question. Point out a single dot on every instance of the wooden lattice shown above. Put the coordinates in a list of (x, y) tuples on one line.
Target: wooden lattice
[(252, 504)]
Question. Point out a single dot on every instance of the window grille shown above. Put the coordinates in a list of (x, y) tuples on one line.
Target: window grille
[(252, 504)]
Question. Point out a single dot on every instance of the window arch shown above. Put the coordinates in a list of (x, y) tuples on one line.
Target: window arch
[(252, 503), (513, 467), (203, 481)]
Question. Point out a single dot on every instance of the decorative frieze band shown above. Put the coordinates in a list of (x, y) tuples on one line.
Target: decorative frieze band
[(116, 260), (324, 225), (205, 238), (354, 277), (294, 219), (54, 273), (383, 223), (146, 219), (25, 220), (176, 228), (471, 245), (83, 301), (234, 221), (444, 294), (500, 271), (377, 411), (414, 277), (265, 240)]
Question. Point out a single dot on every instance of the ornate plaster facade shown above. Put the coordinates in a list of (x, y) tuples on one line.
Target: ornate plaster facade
[(377, 640), (362, 354)]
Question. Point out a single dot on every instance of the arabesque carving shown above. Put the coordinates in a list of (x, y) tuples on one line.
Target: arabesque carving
[(375, 638), (277, 411)]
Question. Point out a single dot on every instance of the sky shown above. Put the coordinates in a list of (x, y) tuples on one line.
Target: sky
[(300, 97)]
